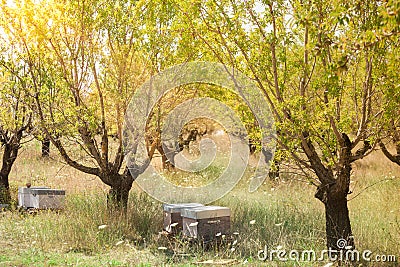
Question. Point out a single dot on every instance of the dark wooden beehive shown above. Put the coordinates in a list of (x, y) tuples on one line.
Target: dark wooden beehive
[(173, 218), (207, 222)]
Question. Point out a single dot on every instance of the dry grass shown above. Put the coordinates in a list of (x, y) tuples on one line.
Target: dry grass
[(31, 167), (285, 213)]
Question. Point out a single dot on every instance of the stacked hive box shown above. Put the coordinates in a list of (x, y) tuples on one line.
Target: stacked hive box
[(25, 195), (41, 198), (173, 218), (206, 222)]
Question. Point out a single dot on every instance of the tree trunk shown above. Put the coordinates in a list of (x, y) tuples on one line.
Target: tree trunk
[(166, 164), (395, 158), (117, 198), (9, 155), (5, 197), (45, 148), (333, 193), (274, 172), (338, 228)]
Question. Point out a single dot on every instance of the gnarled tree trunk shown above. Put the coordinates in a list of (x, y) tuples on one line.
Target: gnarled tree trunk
[(9, 156), (334, 196), (337, 222), (4, 189), (118, 194), (338, 227), (46, 147), (166, 163), (393, 157)]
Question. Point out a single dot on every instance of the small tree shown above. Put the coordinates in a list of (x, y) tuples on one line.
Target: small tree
[(318, 65), (391, 133), (390, 80), (15, 118), (83, 65)]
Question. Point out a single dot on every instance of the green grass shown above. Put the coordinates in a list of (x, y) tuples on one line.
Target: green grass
[(280, 214), (33, 257)]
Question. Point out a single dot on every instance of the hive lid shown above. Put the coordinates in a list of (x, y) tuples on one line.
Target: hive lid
[(206, 212), (27, 190), (172, 208), (47, 191)]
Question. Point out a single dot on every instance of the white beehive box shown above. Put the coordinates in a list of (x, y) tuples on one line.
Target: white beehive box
[(172, 216), (41, 198), (206, 222), (48, 198), (24, 195)]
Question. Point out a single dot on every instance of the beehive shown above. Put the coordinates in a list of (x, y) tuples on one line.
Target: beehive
[(172, 216), (24, 195), (207, 222), (41, 198), (48, 198)]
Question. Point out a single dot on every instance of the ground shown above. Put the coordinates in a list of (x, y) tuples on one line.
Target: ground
[(282, 214)]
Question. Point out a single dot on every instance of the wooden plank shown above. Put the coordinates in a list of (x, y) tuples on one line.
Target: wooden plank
[(207, 228), (206, 212)]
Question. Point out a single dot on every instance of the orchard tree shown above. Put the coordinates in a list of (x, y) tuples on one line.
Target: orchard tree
[(166, 43), (83, 61), (15, 116), (390, 135), (391, 131), (318, 64)]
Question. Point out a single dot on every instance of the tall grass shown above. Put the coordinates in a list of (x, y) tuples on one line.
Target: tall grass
[(85, 226), (281, 214)]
